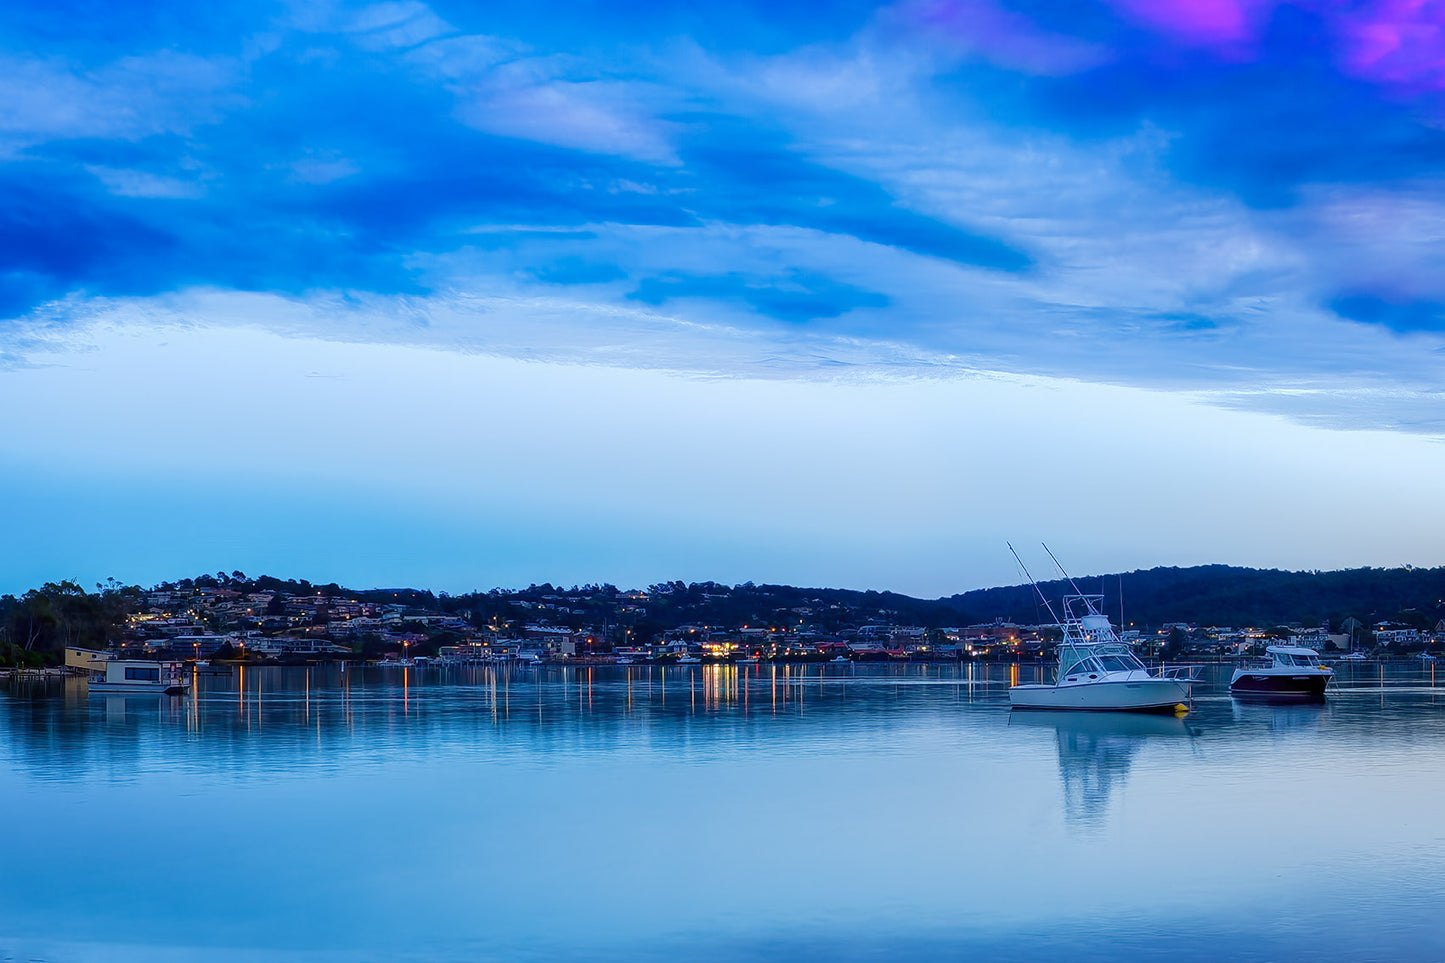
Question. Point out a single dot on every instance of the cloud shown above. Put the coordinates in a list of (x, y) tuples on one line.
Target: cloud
[(1007, 38), (1401, 316), (407, 23), (797, 296), (134, 183), (129, 97), (1207, 199), (1398, 43), (593, 115), (1214, 23), (577, 270), (567, 101)]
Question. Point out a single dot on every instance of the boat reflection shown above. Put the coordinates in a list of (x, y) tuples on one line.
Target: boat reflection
[(1096, 752), (1279, 715)]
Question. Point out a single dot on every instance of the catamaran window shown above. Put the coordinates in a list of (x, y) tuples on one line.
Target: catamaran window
[(134, 674)]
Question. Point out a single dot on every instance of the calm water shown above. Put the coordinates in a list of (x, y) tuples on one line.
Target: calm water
[(696, 812)]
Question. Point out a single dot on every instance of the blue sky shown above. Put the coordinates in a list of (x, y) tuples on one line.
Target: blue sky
[(444, 294)]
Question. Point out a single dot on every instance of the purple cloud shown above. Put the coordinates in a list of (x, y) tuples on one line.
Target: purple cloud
[(1396, 43), (1227, 25)]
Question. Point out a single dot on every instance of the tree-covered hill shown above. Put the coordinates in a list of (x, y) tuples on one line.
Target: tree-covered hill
[(1227, 595)]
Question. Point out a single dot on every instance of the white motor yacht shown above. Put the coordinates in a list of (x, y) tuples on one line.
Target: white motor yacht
[(1292, 672)]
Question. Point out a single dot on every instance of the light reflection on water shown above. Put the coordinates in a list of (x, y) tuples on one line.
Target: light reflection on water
[(758, 812)]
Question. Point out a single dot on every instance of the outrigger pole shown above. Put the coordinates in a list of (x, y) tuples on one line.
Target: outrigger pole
[(1078, 591), (1030, 576)]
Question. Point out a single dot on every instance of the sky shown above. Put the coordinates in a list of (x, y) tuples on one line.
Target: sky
[(459, 296)]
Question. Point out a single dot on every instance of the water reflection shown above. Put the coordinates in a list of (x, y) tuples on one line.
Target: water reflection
[(755, 812), (1096, 751), (253, 719), (1280, 716)]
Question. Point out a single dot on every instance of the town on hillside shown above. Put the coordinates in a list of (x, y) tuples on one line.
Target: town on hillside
[(229, 617)]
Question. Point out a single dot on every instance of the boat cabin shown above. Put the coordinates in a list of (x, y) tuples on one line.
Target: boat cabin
[(1294, 656)]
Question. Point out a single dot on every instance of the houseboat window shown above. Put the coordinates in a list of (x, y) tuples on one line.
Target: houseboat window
[(135, 674)]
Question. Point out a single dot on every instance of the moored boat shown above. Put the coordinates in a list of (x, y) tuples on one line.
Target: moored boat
[(134, 677), (1097, 671), (1292, 672)]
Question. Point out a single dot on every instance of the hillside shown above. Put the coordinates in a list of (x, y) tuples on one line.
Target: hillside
[(1228, 595)]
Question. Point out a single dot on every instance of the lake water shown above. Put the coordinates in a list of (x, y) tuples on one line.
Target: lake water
[(700, 812)]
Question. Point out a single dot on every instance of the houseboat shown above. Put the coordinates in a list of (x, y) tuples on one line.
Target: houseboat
[(134, 677)]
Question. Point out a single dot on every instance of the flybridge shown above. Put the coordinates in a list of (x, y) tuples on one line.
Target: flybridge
[(1084, 620)]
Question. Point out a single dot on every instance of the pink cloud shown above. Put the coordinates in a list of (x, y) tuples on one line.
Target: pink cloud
[(1204, 23), (1398, 43)]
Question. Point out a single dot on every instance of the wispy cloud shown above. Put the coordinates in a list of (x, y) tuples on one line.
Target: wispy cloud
[(1233, 197)]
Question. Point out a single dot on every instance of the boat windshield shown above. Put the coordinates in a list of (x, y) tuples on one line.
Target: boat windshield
[(1296, 658), (1117, 658), (1111, 658)]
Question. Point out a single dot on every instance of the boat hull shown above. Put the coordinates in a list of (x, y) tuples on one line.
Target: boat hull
[(132, 688), (1139, 695)]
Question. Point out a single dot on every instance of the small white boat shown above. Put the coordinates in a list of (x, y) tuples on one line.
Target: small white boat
[(133, 677), (1355, 657), (841, 658), (689, 660), (1292, 672), (1097, 671)]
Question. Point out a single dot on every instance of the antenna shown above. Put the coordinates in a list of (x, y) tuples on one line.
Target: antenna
[(1033, 583)]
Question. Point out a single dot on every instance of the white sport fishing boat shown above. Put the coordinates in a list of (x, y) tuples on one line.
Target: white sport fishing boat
[(1097, 670)]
